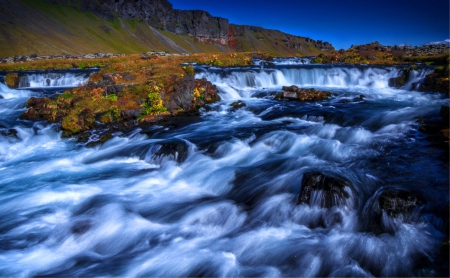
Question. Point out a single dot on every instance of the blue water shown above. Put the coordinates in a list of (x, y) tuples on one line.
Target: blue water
[(227, 204)]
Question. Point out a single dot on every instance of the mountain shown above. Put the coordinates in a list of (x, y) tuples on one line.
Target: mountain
[(77, 27)]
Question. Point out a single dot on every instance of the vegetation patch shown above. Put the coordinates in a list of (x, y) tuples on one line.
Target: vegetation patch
[(12, 80)]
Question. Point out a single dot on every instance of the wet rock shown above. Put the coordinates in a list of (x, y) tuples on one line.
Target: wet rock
[(30, 114), (295, 93), (399, 81), (292, 88), (175, 149), (238, 104), (324, 191), (389, 207), (10, 133), (12, 80)]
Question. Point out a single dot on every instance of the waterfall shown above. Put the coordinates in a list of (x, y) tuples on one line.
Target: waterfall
[(238, 84), (416, 78), (54, 79)]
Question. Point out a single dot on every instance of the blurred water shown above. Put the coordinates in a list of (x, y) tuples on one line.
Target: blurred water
[(226, 203)]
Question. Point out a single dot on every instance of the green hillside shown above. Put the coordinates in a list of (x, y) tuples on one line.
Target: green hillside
[(35, 26)]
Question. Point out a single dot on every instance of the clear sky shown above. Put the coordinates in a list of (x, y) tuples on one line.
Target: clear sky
[(340, 22)]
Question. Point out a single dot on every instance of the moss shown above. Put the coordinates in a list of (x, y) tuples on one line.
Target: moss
[(12, 80), (70, 124)]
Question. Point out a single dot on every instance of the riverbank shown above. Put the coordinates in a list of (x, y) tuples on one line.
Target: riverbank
[(154, 87)]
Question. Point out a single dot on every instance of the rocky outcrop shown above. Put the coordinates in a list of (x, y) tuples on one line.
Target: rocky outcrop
[(161, 15), (425, 50), (189, 94), (301, 94)]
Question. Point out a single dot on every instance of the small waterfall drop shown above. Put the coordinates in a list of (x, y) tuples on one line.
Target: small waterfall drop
[(54, 79), (236, 83)]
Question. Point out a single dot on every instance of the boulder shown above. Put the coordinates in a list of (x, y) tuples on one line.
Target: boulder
[(324, 191), (302, 94), (238, 104), (131, 114), (389, 207), (175, 149), (12, 80)]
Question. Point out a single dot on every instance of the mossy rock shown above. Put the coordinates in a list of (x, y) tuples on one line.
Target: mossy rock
[(12, 80)]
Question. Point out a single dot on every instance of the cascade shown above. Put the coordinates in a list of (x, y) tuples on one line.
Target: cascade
[(236, 83), (54, 79)]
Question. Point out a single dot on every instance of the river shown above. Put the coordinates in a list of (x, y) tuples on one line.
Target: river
[(223, 200)]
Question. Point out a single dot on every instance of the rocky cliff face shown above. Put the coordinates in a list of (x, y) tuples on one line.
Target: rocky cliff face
[(195, 23), (159, 14)]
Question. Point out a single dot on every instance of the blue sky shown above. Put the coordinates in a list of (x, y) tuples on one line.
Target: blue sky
[(340, 22)]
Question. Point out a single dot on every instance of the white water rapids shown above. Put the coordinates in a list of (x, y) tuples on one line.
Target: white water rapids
[(225, 202)]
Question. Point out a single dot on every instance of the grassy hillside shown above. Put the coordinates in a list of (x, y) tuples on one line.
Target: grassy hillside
[(35, 26)]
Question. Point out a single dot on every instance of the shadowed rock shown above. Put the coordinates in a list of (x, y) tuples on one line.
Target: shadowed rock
[(175, 149), (324, 191), (389, 207)]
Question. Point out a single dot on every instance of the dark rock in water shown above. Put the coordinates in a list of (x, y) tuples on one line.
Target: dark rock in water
[(389, 204), (399, 81), (292, 88), (30, 114), (10, 133), (324, 191), (238, 104), (176, 149), (295, 93)]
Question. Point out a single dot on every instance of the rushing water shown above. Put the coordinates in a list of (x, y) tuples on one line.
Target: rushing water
[(226, 203)]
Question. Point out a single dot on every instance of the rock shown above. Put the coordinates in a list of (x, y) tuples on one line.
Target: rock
[(183, 96), (292, 88), (389, 204), (12, 80), (175, 149), (114, 89), (290, 95), (399, 81), (131, 114), (295, 93), (11, 133), (30, 114), (324, 191), (238, 104)]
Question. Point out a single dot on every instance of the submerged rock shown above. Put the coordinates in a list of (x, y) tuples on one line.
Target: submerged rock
[(390, 207), (324, 191), (173, 149), (238, 104)]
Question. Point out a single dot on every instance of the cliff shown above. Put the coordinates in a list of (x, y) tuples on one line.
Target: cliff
[(130, 26)]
